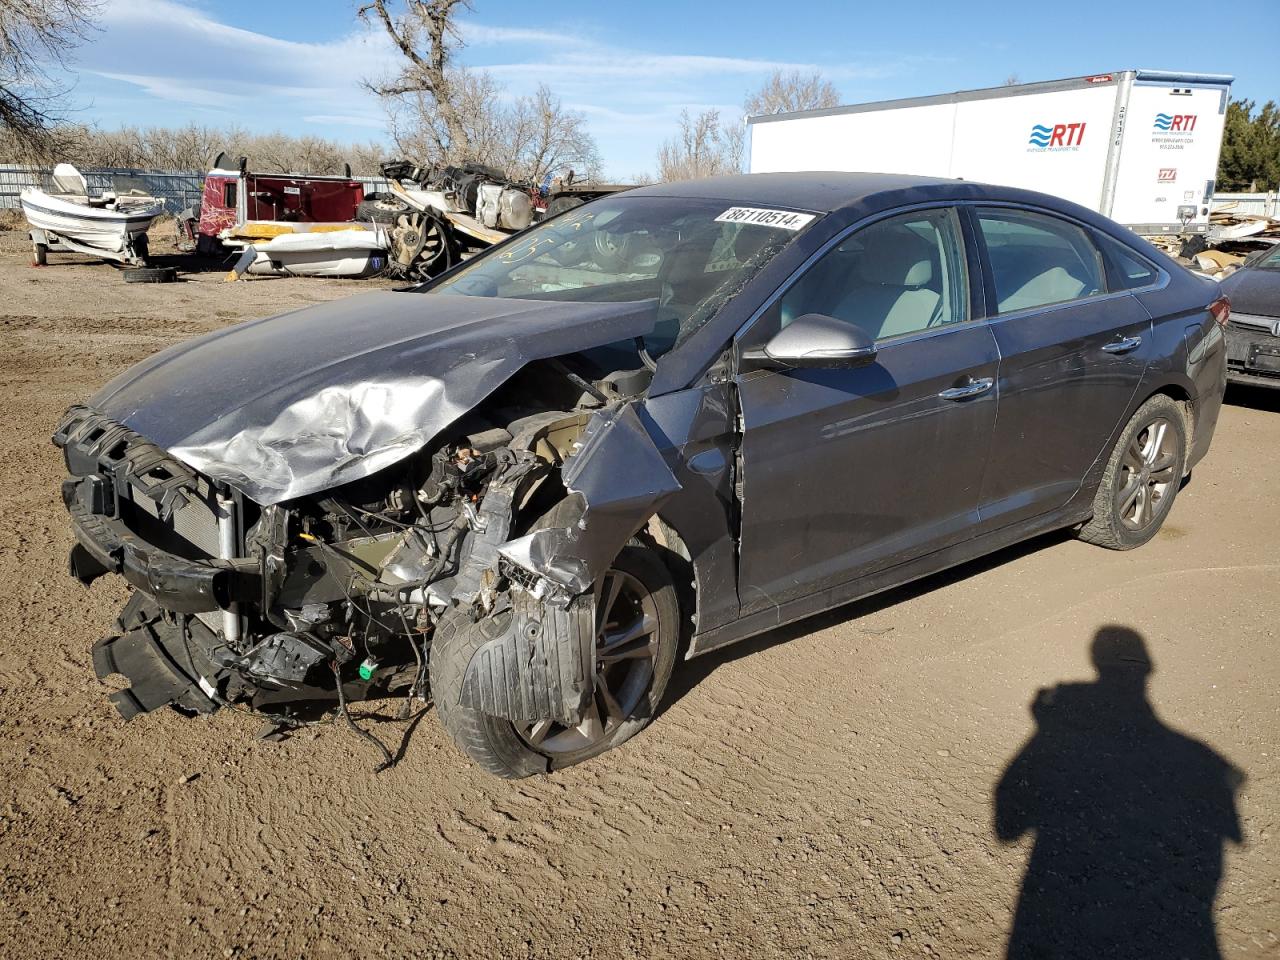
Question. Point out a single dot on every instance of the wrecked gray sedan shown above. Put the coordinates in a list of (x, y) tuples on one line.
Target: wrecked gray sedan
[(664, 420)]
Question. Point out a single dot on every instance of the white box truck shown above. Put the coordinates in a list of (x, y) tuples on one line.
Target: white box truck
[(1140, 146)]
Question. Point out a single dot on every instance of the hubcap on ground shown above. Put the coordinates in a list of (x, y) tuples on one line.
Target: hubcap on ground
[(626, 644), (1147, 474)]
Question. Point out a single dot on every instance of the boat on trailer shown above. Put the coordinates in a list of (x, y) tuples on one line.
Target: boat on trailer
[(65, 218)]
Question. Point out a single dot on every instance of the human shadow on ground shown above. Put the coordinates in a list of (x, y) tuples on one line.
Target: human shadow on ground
[(1130, 818)]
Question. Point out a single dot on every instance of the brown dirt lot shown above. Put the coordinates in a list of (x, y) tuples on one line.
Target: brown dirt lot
[(825, 790)]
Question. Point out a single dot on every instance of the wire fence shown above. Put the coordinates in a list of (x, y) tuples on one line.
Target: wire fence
[(178, 188)]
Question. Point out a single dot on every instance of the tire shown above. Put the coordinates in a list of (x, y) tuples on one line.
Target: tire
[(381, 208), (39, 254), (611, 253), (509, 750), (560, 204), (151, 275), (1141, 479)]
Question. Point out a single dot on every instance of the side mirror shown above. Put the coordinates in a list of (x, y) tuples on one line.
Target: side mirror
[(815, 340)]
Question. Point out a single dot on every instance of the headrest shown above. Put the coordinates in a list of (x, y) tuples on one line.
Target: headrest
[(895, 256), (689, 260)]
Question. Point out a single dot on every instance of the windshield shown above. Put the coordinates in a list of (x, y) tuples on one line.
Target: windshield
[(689, 255), (1266, 259)]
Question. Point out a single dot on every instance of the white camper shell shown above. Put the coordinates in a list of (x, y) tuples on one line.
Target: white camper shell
[(1140, 146)]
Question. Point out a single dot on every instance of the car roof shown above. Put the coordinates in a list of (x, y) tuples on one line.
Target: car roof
[(822, 191)]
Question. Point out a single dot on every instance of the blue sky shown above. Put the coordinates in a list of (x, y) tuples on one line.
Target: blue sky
[(296, 65)]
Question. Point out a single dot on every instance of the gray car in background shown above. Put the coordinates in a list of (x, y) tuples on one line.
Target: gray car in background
[(662, 421), (1253, 333)]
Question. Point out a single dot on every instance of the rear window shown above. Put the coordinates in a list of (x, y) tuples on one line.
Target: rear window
[(1125, 269), (1037, 260)]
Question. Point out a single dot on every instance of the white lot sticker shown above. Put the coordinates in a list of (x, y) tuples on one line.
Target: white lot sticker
[(783, 219)]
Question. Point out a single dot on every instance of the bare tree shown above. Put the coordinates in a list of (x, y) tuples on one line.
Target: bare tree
[(786, 92), (428, 76), (705, 146), (194, 147), (34, 36), (702, 147), (1011, 80), (443, 113)]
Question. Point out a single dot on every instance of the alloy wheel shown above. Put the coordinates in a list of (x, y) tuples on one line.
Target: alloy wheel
[(1147, 474), (626, 644)]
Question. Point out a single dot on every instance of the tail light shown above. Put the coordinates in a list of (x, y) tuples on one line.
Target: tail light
[(1220, 310)]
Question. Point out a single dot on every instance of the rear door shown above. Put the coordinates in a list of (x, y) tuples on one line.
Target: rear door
[(847, 471), (1072, 356)]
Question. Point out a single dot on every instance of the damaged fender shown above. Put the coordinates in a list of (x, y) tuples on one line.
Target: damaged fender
[(538, 664), (622, 480)]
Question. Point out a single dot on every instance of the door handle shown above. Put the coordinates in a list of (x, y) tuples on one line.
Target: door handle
[(1123, 346), (973, 388)]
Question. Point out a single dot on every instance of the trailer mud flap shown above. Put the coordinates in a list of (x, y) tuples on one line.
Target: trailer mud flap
[(156, 658), (537, 664)]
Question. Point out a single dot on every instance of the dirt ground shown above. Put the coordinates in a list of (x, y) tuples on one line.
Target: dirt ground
[(826, 790)]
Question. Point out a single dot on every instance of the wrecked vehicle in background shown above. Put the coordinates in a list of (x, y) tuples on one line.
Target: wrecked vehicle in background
[(690, 413), (437, 216), (284, 224)]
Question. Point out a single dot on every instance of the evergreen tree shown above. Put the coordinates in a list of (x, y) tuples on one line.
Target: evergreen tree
[(1250, 159)]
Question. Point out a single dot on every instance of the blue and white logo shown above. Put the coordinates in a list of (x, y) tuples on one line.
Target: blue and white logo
[(1040, 135)]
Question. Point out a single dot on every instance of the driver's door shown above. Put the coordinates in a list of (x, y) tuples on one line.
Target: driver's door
[(847, 471)]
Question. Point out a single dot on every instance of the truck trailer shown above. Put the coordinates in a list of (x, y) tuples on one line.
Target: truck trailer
[(1140, 146)]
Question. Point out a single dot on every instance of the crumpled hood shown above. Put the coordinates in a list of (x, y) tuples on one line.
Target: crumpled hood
[(299, 403)]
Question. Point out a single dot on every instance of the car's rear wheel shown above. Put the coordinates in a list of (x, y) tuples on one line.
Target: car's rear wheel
[(1141, 479), (637, 633)]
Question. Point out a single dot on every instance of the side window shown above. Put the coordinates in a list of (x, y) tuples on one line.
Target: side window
[(893, 277), (229, 194), (1126, 270), (1038, 260)]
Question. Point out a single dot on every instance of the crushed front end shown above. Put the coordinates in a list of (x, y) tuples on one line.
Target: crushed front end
[(295, 608)]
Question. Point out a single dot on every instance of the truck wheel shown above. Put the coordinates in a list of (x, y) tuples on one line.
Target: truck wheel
[(1141, 479), (381, 208), (638, 626), (421, 246)]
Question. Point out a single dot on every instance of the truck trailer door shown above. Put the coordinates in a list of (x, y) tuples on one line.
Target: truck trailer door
[(1169, 155)]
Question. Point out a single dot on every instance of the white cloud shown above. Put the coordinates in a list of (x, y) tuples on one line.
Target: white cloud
[(193, 63), (251, 77)]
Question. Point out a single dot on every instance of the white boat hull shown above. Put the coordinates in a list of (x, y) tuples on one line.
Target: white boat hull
[(109, 231), (355, 254)]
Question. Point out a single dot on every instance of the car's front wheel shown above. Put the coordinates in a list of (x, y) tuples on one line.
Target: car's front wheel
[(636, 635), (1141, 479)]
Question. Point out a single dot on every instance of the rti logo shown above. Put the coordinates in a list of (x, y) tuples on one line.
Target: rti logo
[(1060, 135), (1175, 122)]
